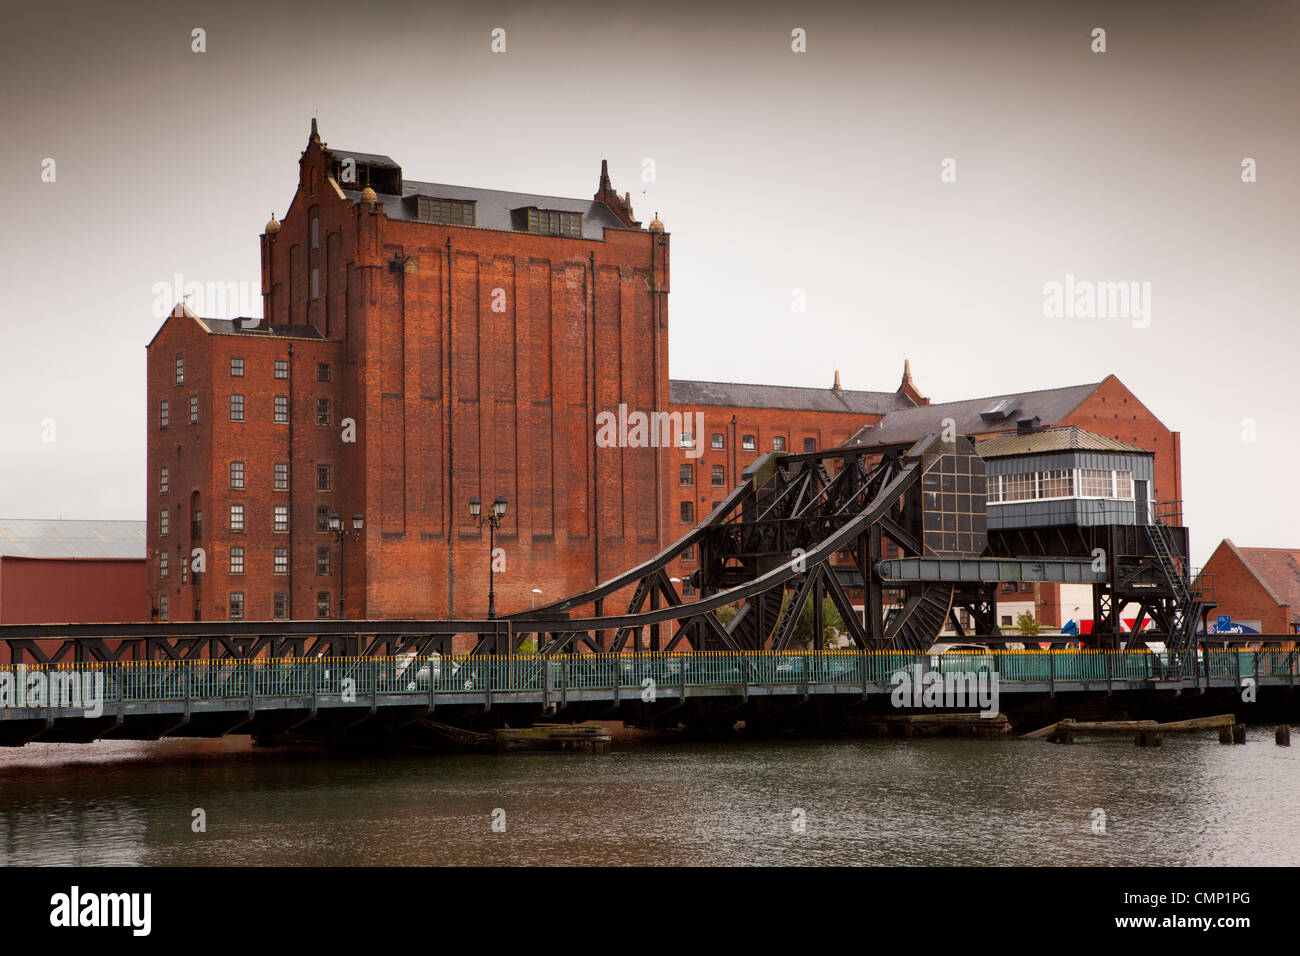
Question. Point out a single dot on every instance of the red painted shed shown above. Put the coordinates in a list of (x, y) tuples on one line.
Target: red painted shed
[(72, 572)]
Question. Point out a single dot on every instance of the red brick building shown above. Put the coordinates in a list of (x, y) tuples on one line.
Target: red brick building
[(424, 344), (1257, 585)]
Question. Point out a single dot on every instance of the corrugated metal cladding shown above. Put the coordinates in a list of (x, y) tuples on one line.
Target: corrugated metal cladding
[(64, 538), (1085, 512), (1139, 465)]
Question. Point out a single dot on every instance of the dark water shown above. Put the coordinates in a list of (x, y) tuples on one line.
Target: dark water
[(1192, 801)]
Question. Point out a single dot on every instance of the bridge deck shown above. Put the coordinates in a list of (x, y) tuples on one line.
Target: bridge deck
[(83, 702)]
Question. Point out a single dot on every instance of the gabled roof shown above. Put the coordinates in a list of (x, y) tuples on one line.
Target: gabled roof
[(976, 416), (493, 208), (61, 538), (1278, 572), (788, 397), (1066, 438)]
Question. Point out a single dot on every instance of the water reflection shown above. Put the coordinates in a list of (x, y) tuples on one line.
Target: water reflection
[(924, 802)]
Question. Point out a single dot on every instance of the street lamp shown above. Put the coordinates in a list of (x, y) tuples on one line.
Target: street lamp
[(341, 534), (536, 591), (493, 521)]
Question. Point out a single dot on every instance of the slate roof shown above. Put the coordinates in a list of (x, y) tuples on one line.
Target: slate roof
[(364, 159), (794, 398), (1049, 406), (1067, 438), (1277, 570), (248, 326), (493, 207), (62, 538)]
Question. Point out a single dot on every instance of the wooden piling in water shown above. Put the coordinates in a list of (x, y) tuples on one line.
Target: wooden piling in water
[(1225, 735), (1282, 736), (1239, 734), (1149, 738)]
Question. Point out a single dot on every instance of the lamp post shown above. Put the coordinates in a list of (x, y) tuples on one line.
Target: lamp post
[(341, 534), (493, 521), (536, 591)]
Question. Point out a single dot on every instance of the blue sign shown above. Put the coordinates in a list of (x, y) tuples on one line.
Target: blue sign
[(1222, 622)]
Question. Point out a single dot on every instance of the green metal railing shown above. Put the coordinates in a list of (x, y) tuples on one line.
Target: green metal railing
[(193, 680)]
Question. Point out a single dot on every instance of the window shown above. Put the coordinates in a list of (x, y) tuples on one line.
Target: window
[(196, 523), (688, 512), (778, 443), (236, 605), (549, 222), (280, 561), (322, 411), (688, 589), (687, 440), (688, 555), (323, 560), (449, 212), (1057, 484), (180, 370), (236, 560), (315, 283), (164, 481), (194, 409), (162, 415), (163, 519), (322, 372), (1124, 483), (315, 231), (280, 518), (1094, 483), (237, 475), (1006, 620), (185, 573), (281, 368), (719, 478), (1020, 487), (810, 444), (281, 476), (281, 604), (322, 517), (281, 408), (994, 486), (322, 604), (162, 607), (686, 477), (747, 442), (237, 368), (164, 564), (718, 441), (236, 517), (322, 477), (236, 408)]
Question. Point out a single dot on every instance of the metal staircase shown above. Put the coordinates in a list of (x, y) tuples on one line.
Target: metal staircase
[(1173, 565)]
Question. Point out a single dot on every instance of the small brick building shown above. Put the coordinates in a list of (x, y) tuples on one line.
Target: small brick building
[(1257, 585)]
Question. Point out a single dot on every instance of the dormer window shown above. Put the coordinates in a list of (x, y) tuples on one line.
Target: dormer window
[(552, 222), (448, 212)]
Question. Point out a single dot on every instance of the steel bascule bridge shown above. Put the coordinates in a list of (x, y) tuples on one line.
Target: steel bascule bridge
[(799, 529)]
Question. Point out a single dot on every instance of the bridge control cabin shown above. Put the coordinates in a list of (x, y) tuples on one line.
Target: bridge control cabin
[(1066, 476)]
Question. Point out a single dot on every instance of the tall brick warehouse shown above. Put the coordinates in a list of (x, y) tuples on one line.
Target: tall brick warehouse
[(424, 344)]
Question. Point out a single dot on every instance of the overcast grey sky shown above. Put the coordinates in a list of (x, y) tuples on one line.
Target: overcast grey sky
[(774, 171)]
